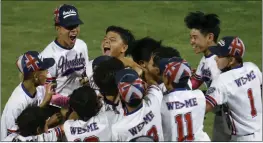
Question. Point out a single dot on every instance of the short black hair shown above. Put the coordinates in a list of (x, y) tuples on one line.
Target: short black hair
[(84, 101), (30, 119), (143, 49), (126, 36), (206, 23), (104, 76), (165, 52)]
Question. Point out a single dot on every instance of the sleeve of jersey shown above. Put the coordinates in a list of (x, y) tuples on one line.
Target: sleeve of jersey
[(155, 94), (53, 134), (196, 78), (86, 53), (215, 94), (10, 120)]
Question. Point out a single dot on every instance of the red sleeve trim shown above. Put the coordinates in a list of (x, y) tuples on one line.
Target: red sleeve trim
[(211, 100)]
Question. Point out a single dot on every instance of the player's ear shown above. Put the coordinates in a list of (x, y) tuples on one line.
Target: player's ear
[(57, 28), (210, 37), (124, 48), (142, 64), (232, 61)]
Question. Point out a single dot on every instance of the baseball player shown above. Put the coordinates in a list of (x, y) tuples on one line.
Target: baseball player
[(104, 77), (205, 29), (29, 91), (141, 114), (182, 109), (86, 123), (33, 127), (69, 52), (239, 87)]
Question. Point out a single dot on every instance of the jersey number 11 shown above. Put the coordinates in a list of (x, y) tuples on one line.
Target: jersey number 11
[(180, 129)]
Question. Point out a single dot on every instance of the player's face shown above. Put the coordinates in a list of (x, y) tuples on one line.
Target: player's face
[(42, 77), (198, 41), (113, 45), (153, 70), (67, 35), (222, 62)]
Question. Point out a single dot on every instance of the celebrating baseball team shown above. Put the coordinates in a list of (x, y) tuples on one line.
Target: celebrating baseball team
[(137, 90)]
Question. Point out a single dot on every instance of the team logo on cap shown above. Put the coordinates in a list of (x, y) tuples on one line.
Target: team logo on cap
[(237, 47), (69, 13), (176, 70), (31, 62), (129, 91)]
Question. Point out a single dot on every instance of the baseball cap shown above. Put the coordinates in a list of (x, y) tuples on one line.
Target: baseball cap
[(99, 59), (229, 46), (130, 85), (67, 15), (32, 61), (175, 68)]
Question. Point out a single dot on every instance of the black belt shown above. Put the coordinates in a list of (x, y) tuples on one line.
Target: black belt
[(249, 134)]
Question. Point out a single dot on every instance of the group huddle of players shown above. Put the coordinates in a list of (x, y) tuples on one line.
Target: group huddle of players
[(137, 90)]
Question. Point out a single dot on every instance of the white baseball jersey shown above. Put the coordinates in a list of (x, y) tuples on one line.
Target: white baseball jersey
[(69, 65), (52, 135), (16, 103), (207, 70), (183, 113), (146, 120), (240, 89), (98, 128)]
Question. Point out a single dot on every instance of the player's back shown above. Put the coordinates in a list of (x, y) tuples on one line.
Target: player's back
[(183, 114), (97, 128), (243, 97), (146, 120)]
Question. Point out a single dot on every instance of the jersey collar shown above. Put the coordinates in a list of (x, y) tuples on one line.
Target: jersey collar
[(126, 113), (176, 89), (57, 43), (27, 92), (239, 66), (208, 56)]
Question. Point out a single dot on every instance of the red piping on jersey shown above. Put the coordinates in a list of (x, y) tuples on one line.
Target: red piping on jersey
[(234, 130), (58, 131), (196, 82), (211, 100)]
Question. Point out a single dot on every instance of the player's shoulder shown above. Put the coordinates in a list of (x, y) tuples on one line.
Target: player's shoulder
[(49, 49), (81, 42), (250, 65), (18, 91)]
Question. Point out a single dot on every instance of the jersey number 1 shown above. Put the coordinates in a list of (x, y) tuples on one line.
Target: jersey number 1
[(252, 104), (180, 128)]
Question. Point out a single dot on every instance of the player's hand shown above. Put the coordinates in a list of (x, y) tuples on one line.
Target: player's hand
[(48, 94), (128, 62), (84, 81), (54, 120), (193, 71)]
